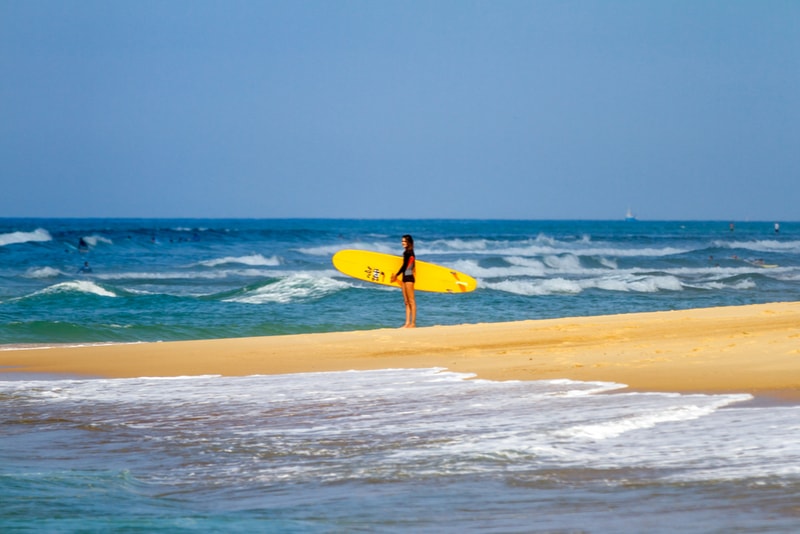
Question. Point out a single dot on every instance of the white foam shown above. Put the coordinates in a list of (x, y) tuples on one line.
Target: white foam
[(558, 285), (531, 268), (639, 421), (254, 260), (521, 261), (716, 285), (564, 387), (37, 346), (185, 275), (76, 286), (764, 245), (566, 262), (38, 235), (42, 272), (537, 247), (605, 262), (338, 426), (548, 286), (522, 275), (534, 250), (93, 240), (291, 289), (451, 246)]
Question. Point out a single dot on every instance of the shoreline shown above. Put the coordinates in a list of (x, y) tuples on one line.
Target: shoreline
[(738, 349)]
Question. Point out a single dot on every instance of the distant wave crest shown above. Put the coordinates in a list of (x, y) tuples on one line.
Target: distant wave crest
[(291, 289), (42, 272), (13, 238), (554, 286), (77, 286), (255, 260)]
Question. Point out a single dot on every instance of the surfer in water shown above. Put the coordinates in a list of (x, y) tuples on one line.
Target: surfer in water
[(407, 272)]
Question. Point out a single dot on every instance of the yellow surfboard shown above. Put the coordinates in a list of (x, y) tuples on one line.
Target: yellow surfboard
[(378, 268)]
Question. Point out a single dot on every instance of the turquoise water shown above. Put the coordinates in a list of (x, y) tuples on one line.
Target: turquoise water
[(165, 280), (423, 450)]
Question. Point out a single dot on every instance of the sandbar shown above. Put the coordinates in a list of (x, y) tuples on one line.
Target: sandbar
[(745, 349)]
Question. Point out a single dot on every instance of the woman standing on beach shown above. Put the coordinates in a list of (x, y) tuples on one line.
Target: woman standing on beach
[(407, 282)]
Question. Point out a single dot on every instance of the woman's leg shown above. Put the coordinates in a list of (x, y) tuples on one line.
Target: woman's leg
[(411, 304)]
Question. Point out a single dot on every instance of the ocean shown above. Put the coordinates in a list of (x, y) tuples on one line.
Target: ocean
[(397, 450)]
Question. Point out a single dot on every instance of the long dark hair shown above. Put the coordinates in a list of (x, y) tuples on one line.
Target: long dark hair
[(410, 240)]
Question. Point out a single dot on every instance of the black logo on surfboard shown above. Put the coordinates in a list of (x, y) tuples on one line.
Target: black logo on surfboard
[(375, 275)]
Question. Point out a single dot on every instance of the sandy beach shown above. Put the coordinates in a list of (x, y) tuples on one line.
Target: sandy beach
[(754, 348)]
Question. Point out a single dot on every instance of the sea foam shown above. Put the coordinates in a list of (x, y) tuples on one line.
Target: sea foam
[(38, 235), (43, 272), (291, 289), (76, 286), (556, 285), (255, 260)]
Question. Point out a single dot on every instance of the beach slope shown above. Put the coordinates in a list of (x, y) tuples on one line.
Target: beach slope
[(754, 348)]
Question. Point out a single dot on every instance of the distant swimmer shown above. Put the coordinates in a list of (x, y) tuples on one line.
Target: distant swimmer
[(85, 269), (83, 246), (777, 228), (761, 263)]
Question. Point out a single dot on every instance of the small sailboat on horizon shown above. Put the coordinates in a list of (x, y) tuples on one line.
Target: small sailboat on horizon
[(629, 216)]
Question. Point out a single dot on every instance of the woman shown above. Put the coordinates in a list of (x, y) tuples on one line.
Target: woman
[(407, 282)]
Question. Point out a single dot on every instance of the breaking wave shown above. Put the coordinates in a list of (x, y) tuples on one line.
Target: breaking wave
[(291, 289), (13, 238), (77, 286), (254, 260)]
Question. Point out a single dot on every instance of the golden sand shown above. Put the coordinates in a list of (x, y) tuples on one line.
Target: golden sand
[(753, 348)]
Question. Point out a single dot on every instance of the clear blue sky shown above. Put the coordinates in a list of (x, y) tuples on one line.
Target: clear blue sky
[(456, 109)]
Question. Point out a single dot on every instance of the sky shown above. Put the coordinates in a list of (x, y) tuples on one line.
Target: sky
[(678, 110)]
